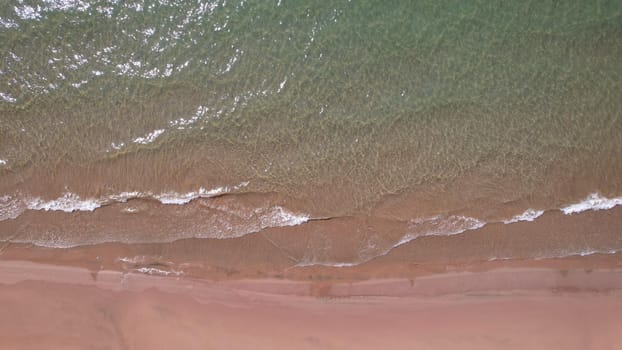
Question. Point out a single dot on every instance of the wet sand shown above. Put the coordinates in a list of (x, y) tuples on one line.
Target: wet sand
[(286, 251), (511, 308), (488, 288)]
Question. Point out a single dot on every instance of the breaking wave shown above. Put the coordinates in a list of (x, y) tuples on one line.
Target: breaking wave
[(440, 225), (594, 201), (11, 206), (528, 215), (252, 220), (448, 225)]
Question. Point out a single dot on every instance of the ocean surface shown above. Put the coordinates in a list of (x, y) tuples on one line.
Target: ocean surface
[(371, 125)]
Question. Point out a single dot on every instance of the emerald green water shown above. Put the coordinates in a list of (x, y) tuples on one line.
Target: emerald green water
[(339, 105)]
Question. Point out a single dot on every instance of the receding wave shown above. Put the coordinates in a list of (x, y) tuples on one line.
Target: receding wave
[(222, 223), (448, 225), (559, 255), (230, 220), (332, 264), (565, 254), (440, 225)]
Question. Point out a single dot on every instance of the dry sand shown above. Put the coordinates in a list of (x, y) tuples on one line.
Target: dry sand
[(63, 307)]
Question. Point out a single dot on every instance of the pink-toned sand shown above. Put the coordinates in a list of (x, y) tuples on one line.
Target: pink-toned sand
[(60, 307)]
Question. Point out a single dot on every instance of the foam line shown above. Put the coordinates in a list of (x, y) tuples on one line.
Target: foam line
[(528, 215), (593, 202)]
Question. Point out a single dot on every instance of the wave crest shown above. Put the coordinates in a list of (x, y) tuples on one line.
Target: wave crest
[(593, 202), (440, 225), (11, 206), (527, 215)]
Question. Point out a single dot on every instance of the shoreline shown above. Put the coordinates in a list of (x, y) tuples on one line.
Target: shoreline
[(281, 252), (339, 241), (97, 261), (454, 283)]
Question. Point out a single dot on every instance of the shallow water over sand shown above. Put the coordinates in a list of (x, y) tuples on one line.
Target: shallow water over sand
[(393, 124)]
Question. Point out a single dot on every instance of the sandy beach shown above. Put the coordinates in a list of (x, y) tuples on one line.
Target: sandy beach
[(255, 292), (506, 307), (310, 175)]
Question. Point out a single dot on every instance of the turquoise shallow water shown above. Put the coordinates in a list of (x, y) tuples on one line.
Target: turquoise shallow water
[(339, 105)]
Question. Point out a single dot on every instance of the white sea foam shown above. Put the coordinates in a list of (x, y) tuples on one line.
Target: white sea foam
[(10, 207), (68, 203), (117, 146), (566, 254), (528, 215), (593, 202), (67, 5), (183, 198), (149, 138), (28, 12), (279, 216), (440, 225), (138, 259), (254, 219), (125, 196), (8, 23), (154, 271), (329, 264), (80, 83), (596, 251), (7, 97), (282, 85), (182, 123), (141, 259)]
